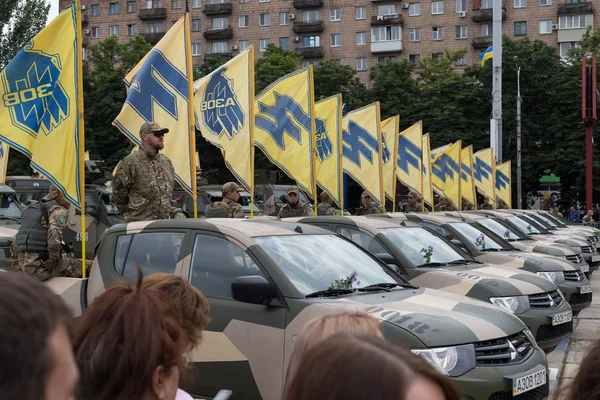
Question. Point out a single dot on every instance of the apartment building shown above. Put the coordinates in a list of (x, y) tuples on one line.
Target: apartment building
[(359, 33)]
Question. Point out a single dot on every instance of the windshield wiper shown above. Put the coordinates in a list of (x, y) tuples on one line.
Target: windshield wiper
[(431, 264), (331, 292), (459, 262), (491, 249), (389, 285)]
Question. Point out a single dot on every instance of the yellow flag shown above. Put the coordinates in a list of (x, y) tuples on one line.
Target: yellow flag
[(445, 173), (285, 126), (410, 156), (86, 155), (484, 169), (467, 186), (39, 110), (504, 183), (4, 149), (224, 104), (363, 150), (427, 191), (390, 130), (328, 120), (158, 92)]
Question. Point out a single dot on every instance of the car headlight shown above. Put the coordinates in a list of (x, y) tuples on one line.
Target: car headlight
[(556, 277), (451, 361), (514, 304)]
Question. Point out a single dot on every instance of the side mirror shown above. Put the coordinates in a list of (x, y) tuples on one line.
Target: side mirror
[(253, 289)]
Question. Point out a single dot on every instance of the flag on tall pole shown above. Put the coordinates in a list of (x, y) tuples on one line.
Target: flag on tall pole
[(483, 172), (410, 169), (427, 189), (446, 173), (390, 130), (467, 185), (503, 183), (4, 149)]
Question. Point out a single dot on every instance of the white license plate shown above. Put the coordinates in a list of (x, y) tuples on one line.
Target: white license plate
[(595, 258), (562, 318), (528, 382), (585, 268), (585, 289)]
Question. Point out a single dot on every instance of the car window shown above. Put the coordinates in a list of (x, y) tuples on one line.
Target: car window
[(500, 230), (362, 239), (8, 207), (152, 252), (474, 238), (524, 226), (438, 229), (416, 243), (216, 262)]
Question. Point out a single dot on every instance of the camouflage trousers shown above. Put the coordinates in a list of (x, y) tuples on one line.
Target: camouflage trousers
[(32, 264)]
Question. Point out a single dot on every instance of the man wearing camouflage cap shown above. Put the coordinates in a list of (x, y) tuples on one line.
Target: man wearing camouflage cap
[(413, 204), (367, 206), (486, 204), (444, 205), (231, 195), (39, 249), (325, 207), (143, 184), (294, 207)]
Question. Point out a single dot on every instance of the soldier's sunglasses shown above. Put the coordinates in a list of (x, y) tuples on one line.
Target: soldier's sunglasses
[(158, 134)]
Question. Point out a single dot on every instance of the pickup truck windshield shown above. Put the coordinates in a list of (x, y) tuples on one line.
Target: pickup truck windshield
[(315, 262), (8, 207), (524, 226), (476, 239), (499, 229)]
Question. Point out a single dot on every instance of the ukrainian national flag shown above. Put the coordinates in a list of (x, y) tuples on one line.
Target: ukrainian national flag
[(224, 104), (486, 55), (4, 149), (328, 113), (410, 156), (427, 191), (445, 172), (484, 170), (157, 90), (467, 186), (364, 154), (504, 183), (285, 126), (390, 130)]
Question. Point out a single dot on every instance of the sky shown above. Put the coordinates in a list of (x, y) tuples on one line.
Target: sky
[(53, 10)]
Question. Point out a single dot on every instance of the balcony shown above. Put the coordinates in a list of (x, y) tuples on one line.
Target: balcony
[(84, 19), (309, 52), (85, 41), (308, 27), (218, 34), (482, 42), (302, 4), (225, 54), (151, 14), (386, 46), (152, 38), (217, 9), (485, 15), (393, 19), (575, 9)]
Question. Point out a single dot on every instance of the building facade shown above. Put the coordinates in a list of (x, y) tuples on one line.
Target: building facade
[(359, 33)]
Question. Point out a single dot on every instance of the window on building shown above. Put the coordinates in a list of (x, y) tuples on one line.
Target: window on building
[(263, 1), (244, 44), (385, 33), (387, 9), (220, 22), (335, 14), (311, 41), (311, 16), (284, 43), (575, 1), (462, 61), (520, 3), (461, 31), (361, 64), (487, 29), (95, 32), (284, 18), (307, 63), (95, 10), (336, 40), (361, 38), (361, 12), (384, 59), (195, 25), (131, 29), (155, 27), (196, 3), (218, 47), (414, 35), (244, 21), (196, 50), (572, 21), (520, 28), (438, 56), (264, 19), (131, 6), (437, 7), (113, 30), (176, 4), (461, 5), (244, 1), (153, 4), (544, 3), (113, 8), (565, 47), (263, 43), (487, 4), (414, 58), (414, 9), (545, 27), (336, 61), (437, 33)]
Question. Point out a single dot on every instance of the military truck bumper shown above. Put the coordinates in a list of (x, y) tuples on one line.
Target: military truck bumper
[(490, 383), (540, 323), (577, 293), (593, 260)]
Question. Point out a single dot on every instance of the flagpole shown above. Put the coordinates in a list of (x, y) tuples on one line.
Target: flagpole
[(313, 134), (191, 119), (460, 175), (251, 127), (340, 151), (395, 176), (380, 138), (422, 172)]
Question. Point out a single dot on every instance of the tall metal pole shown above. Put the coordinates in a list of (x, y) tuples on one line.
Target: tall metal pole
[(496, 123), (588, 105), (519, 188)]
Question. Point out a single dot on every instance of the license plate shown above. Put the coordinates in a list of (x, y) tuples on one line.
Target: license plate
[(595, 258), (562, 318), (528, 382), (585, 289), (585, 268)]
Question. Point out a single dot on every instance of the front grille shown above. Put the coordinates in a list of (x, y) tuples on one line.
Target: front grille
[(498, 351), (542, 300), (534, 394), (577, 298), (573, 276), (587, 249), (593, 238), (577, 258), (549, 332)]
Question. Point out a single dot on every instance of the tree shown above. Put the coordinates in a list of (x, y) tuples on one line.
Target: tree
[(331, 78), (275, 63), (208, 66)]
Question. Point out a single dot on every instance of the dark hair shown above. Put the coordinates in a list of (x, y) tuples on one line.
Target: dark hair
[(325, 198), (379, 369), (30, 312), (585, 385), (124, 335)]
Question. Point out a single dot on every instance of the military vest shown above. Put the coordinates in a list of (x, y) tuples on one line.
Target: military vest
[(322, 209), (288, 212), (32, 236), (220, 211)]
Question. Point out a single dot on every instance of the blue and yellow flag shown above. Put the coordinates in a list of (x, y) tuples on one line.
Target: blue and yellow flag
[(486, 55), (224, 104), (390, 130), (427, 191), (157, 91), (285, 126), (445, 173), (484, 169), (410, 156), (4, 149), (39, 111), (504, 183), (330, 176), (364, 152), (467, 186)]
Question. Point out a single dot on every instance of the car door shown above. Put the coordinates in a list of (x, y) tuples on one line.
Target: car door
[(243, 346)]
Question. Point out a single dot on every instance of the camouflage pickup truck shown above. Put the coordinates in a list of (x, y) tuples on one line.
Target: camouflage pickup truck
[(266, 279)]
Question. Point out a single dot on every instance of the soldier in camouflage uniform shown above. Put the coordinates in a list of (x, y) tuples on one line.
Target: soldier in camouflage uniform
[(143, 184), (38, 249), (444, 205), (294, 207), (466, 205), (413, 204), (367, 205), (486, 204), (231, 195), (502, 205), (326, 207)]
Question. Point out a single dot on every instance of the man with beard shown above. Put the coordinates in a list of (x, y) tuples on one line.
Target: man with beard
[(294, 207), (143, 184)]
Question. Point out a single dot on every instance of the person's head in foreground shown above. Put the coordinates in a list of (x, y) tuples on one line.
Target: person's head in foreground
[(586, 385), (130, 345), (36, 357), (364, 367)]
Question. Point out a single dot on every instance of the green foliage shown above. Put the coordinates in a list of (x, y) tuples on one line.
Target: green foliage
[(331, 78), (208, 66), (274, 64)]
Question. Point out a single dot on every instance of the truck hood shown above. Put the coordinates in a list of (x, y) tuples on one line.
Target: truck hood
[(532, 262), (544, 247)]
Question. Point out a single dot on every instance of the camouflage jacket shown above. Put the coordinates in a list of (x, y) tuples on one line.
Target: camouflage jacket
[(143, 186), (234, 209), (301, 210), (57, 216), (408, 208), (329, 209), (371, 210), (444, 208), (485, 207), (504, 207)]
